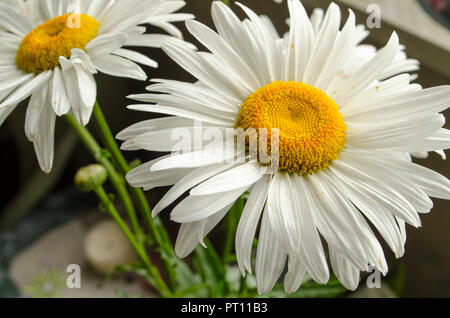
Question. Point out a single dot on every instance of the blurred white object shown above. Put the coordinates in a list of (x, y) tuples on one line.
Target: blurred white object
[(106, 247)]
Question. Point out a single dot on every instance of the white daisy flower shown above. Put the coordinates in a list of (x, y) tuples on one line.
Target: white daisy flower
[(51, 50), (347, 123)]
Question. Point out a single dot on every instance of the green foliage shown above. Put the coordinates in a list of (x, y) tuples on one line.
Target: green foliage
[(398, 281), (210, 275), (311, 290), (136, 268), (46, 285)]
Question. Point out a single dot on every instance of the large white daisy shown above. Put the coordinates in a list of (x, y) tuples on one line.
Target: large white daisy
[(347, 123), (51, 50)]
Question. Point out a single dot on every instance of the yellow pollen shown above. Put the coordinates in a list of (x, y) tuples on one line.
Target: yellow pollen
[(312, 131), (41, 48)]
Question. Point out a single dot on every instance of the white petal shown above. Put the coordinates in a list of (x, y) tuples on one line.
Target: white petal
[(60, 100), (270, 257), (433, 183), (224, 52), (375, 254), (87, 87), (312, 255), (191, 180), (295, 275), (347, 274), (195, 94), (239, 177), (24, 91), (118, 66), (366, 74), (193, 114), (436, 142), (105, 44), (304, 40), (11, 20), (394, 134), (153, 125), (81, 89), (195, 159), (195, 208), (5, 112), (142, 177), (283, 215), (180, 139), (14, 80), (384, 195), (35, 108), (339, 54), (394, 180), (191, 234), (248, 223), (268, 43), (405, 105), (381, 218), (239, 35), (45, 137), (323, 45), (136, 57), (201, 66)]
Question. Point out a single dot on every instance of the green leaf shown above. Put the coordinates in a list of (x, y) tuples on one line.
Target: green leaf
[(185, 277), (310, 290), (136, 268), (233, 278), (196, 291), (122, 294), (106, 153), (398, 281), (212, 269)]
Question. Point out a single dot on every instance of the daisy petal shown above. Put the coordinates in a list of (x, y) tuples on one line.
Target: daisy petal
[(270, 257), (248, 223)]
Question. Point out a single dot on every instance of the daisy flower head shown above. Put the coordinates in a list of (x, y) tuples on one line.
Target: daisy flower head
[(51, 50), (348, 118)]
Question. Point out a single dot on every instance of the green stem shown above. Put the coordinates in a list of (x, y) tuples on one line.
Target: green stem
[(116, 179), (243, 290), (119, 184), (108, 139), (218, 266), (153, 270), (232, 222), (155, 226)]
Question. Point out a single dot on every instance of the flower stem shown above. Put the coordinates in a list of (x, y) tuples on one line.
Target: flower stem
[(116, 179), (119, 184), (232, 222), (153, 270), (155, 226)]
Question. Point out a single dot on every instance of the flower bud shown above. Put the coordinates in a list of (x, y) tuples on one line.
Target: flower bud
[(91, 177)]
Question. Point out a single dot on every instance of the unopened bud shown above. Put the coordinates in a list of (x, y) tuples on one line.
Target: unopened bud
[(91, 177)]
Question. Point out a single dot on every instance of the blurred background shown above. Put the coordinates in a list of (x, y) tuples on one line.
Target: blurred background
[(45, 222)]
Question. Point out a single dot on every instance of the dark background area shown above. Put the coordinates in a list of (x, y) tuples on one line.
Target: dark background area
[(24, 187)]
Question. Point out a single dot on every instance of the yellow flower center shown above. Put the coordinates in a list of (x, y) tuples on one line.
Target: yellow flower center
[(312, 131), (41, 48)]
